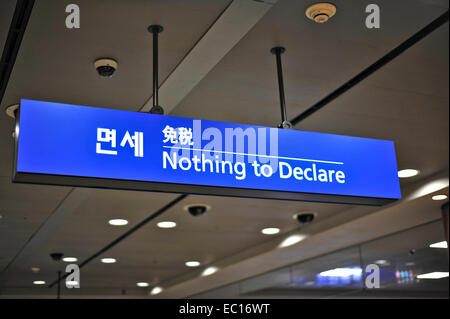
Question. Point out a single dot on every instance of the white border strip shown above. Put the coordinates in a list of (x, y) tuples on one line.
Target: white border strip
[(246, 154)]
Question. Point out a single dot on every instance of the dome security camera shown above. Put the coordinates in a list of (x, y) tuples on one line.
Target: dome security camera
[(305, 217), (56, 256), (106, 67), (197, 209)]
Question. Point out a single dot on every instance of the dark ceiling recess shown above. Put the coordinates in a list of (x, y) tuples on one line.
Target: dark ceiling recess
[(15, 34), (372, 68)]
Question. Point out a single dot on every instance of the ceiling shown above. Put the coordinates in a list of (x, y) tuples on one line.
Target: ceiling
[(406, 101), (398, 268)]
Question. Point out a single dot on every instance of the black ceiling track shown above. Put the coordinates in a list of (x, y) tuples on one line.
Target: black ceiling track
[(374, 67), (17, 28)]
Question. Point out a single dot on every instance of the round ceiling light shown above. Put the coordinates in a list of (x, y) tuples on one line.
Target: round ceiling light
[(291, 240), (209, 271), (270, 231), (166, 224), (409, 172), (321, 12), (118, 222), (156, 290), (108, 260), (192, 263), (70, 259), (439, 197)]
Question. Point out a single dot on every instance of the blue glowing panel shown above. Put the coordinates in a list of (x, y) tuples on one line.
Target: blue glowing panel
[(197, 156)]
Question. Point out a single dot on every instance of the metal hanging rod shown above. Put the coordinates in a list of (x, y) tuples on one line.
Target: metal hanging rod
[(155, 29), (278, 51)]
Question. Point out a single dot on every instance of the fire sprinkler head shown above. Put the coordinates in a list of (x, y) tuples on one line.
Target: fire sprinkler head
[(321, 12), (11, 110)]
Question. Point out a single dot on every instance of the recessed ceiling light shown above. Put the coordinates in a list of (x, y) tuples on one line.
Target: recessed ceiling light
[(409, 172), (291, 240), (156, 290), (270, 231), (209, 271), (70, 259), (35, 269), (441, 244), (439, 197), (381, 262), (192, 263), (108, 260), (166, 224), (433, 275), (39, 282), (142, 284), (118, 222)]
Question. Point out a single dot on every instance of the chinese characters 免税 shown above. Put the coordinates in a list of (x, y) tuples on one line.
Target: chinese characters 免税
[(181, 135)]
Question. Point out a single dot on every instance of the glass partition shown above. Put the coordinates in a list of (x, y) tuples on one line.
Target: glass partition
[(412, 264)]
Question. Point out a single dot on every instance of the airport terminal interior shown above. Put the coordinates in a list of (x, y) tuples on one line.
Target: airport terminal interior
[(215, 63)]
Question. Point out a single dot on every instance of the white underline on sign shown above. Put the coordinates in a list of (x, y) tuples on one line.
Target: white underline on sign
[(269, 156)]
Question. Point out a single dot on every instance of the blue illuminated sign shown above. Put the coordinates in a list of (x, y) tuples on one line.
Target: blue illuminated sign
[(95, 147)]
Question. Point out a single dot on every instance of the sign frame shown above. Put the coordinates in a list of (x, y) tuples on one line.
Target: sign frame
[(134, 185)]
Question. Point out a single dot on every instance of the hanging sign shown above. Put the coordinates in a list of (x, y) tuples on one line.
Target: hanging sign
[(96, 147)]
